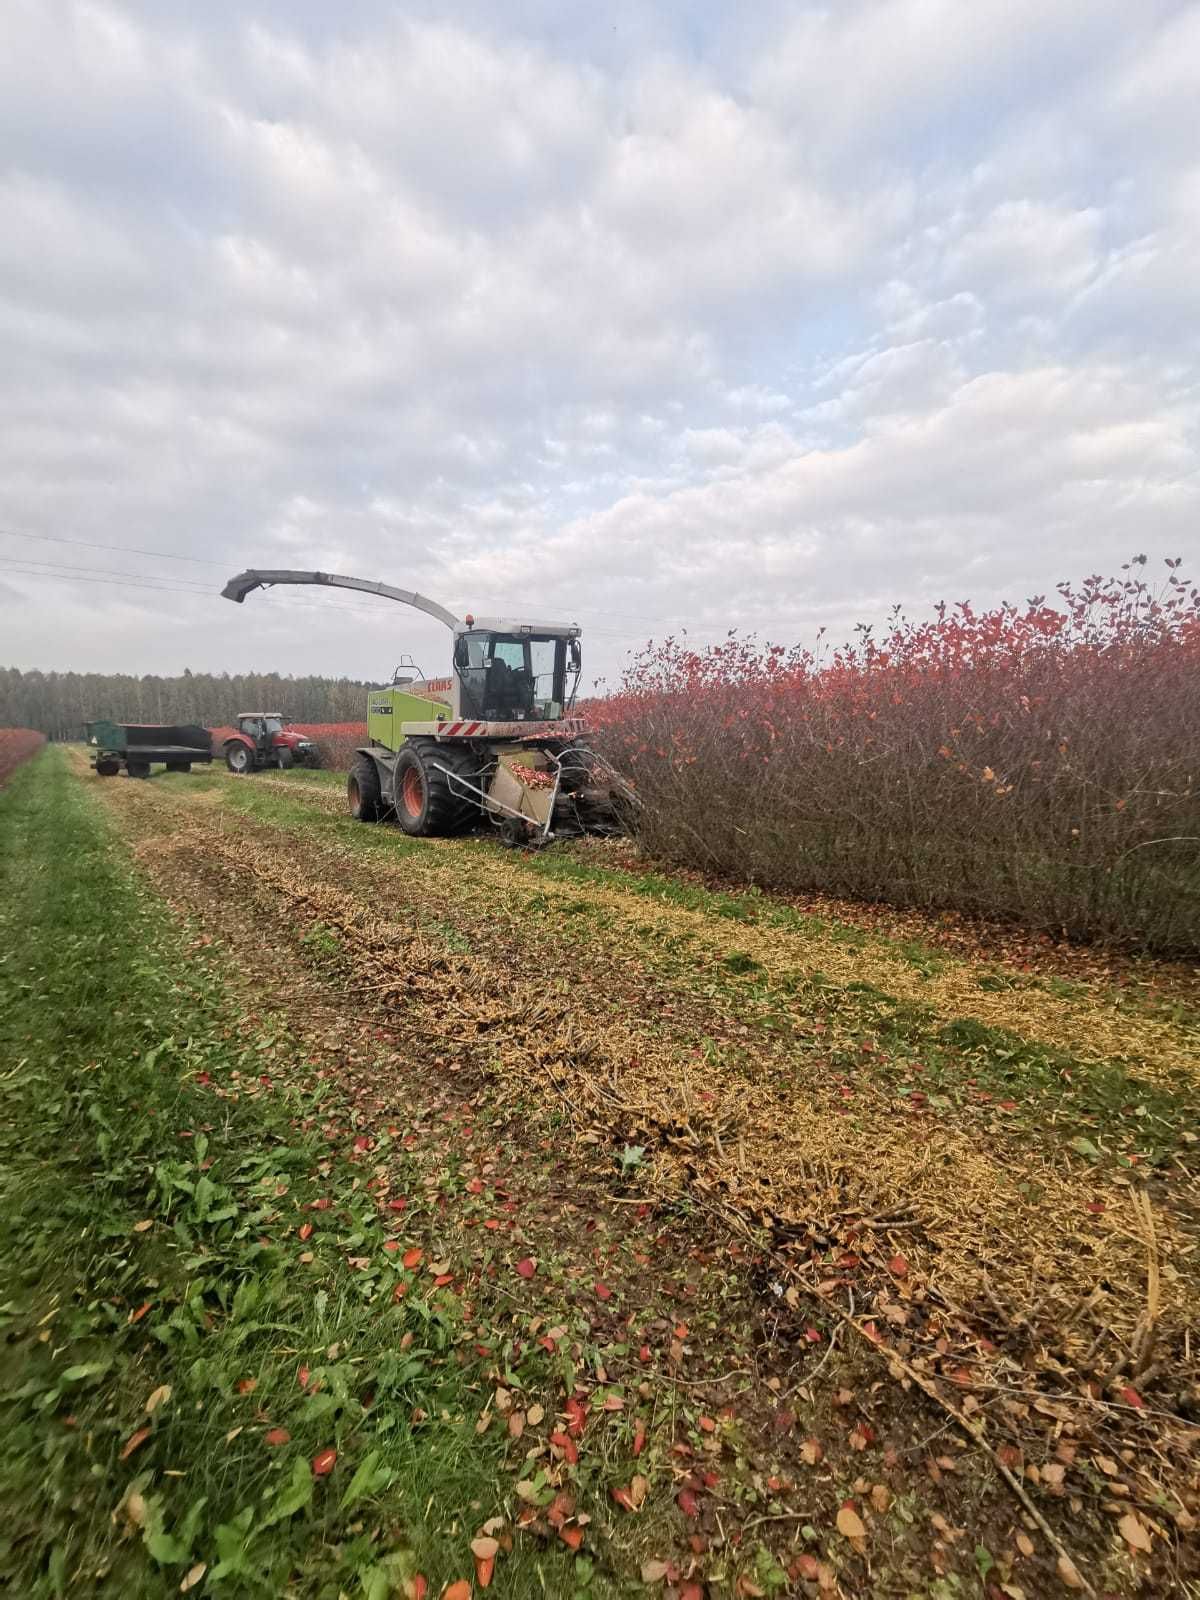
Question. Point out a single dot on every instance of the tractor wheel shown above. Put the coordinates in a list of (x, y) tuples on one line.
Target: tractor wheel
[(238, 758), (427, 804), (364, 792), (285, 758), (107, 767)]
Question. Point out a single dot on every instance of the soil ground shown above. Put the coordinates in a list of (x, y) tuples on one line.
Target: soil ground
[(801, 1248)]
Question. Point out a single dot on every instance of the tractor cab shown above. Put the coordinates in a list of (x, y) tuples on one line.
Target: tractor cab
[(516, 671), (261, 726)]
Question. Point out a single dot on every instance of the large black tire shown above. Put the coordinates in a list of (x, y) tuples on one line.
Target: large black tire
[(427, 803), (285, 758), (107, 766), (364, 791), (179, 766), (138, 769), (238, 758)]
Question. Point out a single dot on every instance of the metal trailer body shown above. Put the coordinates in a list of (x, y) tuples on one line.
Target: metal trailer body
[(137, 746)]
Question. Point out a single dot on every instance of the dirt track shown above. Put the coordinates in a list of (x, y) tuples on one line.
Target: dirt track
[(797, 1083)]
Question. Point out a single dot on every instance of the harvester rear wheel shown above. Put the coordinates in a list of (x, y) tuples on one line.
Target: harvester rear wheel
[(426, 802), (363, 791)]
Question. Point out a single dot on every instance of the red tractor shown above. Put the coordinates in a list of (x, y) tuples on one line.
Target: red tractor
[(267, 739)]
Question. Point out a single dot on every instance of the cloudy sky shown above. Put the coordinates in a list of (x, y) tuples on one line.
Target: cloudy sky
[(647, 315)]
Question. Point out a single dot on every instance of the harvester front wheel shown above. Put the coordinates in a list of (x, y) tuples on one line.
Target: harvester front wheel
[(363, 791), (426, 801)]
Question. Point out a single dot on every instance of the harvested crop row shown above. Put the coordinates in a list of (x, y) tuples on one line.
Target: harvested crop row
[(848, 1186)]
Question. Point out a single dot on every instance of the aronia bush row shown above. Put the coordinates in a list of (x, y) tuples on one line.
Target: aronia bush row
[(16, 746), (1039, 762)]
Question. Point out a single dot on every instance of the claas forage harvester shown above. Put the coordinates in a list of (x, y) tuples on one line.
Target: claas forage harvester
[(495, 740)]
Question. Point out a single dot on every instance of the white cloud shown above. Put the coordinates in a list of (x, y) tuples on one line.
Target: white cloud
[(749, 321)]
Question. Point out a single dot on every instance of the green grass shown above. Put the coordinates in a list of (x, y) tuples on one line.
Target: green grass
[(151, 1278)]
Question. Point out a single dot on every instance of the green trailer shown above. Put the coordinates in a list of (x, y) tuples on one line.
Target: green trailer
[(137, 746)]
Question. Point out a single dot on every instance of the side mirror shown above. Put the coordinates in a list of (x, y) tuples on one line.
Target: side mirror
[(461, 659), (576, 658)]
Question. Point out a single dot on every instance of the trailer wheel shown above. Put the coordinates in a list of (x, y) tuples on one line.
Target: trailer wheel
[(285, 759), (363, 791), (426, 802), (138, 769), (238, 757), (107, 767), (179, 766)]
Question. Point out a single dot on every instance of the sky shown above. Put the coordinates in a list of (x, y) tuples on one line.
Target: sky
[(653, 317)]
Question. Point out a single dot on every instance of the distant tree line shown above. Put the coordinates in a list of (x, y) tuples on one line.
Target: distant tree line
[(59, 703)]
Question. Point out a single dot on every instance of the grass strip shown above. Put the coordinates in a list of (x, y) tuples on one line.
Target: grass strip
[(193, 1388)]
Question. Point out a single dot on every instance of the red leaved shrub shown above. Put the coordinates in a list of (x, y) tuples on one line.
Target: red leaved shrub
[(336, 741), (16, 746), (1037, 762)]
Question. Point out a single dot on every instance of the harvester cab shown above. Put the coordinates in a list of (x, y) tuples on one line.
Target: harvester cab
[(496, 739), (267, 739)]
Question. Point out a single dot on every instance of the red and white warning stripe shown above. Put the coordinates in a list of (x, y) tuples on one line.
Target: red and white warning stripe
[(564, 727)]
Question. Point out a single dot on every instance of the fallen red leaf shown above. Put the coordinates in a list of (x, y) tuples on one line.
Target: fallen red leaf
[(134, 1442), (136, 1316), (247, 1385), (1132, 1398), (306, 1230), (322, 1463), (302, 1376), (527, 1267), (276, 1436), (576, 1413), (687, 1503), (419, 1587), (639, 1439), (571, 1537), (484, 1567), (458, 1591), (898, 1266), (567, 1446), (475, 1186), (442, 1279), (411, 1258), (603, 1292), (398, 1204)]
